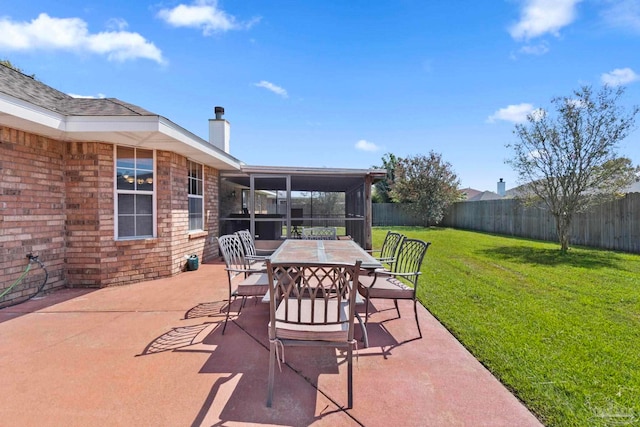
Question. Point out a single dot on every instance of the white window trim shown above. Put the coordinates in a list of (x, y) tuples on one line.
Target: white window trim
[(195, 196), (153, 193)]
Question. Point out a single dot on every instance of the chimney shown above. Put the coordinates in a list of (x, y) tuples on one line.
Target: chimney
[(219, 130), (501, 188)]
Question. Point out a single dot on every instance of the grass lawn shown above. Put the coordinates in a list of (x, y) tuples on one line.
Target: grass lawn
[(562, 332)]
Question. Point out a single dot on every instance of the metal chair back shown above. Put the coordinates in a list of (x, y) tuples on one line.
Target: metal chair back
[(319, 233)]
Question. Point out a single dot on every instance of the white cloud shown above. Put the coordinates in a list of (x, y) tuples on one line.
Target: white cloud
[(71, 34), (539, 17), (204, 15), (619, 76), (538, 49), (623, 14), (364, 145), (117, 24), (273, 88), (513, 113)]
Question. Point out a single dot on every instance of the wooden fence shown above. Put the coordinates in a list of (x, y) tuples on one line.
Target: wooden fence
[(390, 214), (614, 225)]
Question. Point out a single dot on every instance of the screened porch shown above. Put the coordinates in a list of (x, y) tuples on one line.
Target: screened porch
[(277, 203)]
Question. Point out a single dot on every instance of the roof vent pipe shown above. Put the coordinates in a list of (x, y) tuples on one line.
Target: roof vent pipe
[(219, 112)]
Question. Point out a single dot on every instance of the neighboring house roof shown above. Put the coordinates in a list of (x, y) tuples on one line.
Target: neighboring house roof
[(470, 192), (521, 190), (485, 195), (32, 106)]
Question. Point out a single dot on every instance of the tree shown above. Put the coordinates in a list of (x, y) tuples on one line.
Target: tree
[(568, 161), (427, 184), (383, 187)]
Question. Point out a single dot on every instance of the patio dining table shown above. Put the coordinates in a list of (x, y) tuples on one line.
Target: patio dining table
[(348, 251), (321, 251)]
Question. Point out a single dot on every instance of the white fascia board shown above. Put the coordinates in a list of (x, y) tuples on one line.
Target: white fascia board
[(100, 124), (251, 169), (175, 132), (19, 111)]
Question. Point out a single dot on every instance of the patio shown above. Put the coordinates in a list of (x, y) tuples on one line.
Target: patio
[(152, 353)]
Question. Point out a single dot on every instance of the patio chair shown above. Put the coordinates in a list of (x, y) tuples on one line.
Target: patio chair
[(244, 280), (401, 282), (254, 256), (319, 233), (387, 253), (311, 305)]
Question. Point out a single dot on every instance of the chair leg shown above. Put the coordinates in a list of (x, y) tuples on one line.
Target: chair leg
[(395, 302), (415, 311), (350, 376), (363, 327), (272, 368), (227, 316), (366, 314)]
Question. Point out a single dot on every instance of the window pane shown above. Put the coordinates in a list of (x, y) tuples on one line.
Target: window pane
[(126, 226), (125, 179), (195, 223), (125, 204), (144, 159), (144, 225), (195, 214), (144, 181), (144, 205), (126, 158)]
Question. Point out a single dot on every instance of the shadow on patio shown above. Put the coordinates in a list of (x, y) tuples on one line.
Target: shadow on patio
[(153, 354)]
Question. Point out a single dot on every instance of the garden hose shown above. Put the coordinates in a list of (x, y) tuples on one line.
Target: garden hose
[(32, 258)]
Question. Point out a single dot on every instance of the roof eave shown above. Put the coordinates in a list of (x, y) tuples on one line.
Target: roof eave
[(270, 170), (152, 132)]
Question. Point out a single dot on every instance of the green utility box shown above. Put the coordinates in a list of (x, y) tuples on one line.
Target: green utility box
[(192, 262)]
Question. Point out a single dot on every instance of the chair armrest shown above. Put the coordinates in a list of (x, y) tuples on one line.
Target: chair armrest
[(256, 257), (264, 253), (416, 273), (387, 273), (243, 270)]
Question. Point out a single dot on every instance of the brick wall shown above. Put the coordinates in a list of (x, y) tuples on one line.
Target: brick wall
[(57, 200), (31, 212)]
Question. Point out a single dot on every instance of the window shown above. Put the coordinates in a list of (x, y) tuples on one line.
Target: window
[(196, 199), (134, 193)]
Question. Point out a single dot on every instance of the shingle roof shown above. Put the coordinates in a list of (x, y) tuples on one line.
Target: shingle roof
[(21, 86), (485, 195)]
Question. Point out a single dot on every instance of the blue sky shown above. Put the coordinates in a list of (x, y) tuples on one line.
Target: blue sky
[(337, 83)]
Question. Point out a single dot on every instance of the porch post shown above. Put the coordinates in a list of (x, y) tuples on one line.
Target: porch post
[(368, 218)]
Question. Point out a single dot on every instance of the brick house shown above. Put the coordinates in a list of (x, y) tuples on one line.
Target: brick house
[(107, 193), (104, 191)]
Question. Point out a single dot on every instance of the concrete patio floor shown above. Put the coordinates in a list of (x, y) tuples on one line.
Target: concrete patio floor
[(152, 354)]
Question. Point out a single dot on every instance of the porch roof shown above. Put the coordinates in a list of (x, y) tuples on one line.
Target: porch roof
[(306, 178)]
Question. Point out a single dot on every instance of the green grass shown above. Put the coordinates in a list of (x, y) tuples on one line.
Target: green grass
[(561, 331)]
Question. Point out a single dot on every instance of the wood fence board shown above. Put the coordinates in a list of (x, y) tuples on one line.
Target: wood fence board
[(613, 225)]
